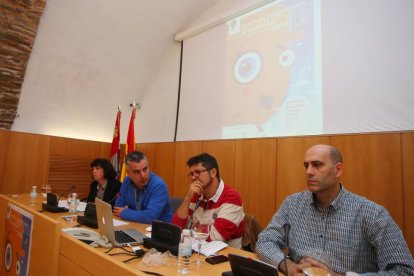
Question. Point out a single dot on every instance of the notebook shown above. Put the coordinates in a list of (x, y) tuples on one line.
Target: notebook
[(244, 266), (124, 237)]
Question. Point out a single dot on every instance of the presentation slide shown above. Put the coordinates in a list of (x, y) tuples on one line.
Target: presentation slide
[(273, 71)]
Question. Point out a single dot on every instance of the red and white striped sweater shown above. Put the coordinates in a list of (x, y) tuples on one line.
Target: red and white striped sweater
[(224, 212)]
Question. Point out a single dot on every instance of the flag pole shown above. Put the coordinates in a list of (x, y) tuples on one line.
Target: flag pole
[(130, 142)]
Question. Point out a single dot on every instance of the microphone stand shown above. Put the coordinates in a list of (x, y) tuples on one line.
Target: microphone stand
[(285, 258), (190, 220), (286, 250), (115, 197)]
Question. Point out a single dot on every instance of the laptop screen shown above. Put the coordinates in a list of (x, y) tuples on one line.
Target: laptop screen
[(105, 219), (106, 227)]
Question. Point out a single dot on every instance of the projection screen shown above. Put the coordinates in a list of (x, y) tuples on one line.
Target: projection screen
[(303, 67)]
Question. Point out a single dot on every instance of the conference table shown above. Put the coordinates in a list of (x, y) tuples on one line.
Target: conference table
[(54, 252)]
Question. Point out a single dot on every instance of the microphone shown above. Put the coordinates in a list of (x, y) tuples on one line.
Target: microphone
[(115, 197), (286, 250), (286, 227), (190, 220)]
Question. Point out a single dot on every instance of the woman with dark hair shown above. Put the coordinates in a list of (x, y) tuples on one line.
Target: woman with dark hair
[(104, 186)]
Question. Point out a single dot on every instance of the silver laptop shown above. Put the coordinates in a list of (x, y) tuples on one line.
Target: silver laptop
[(124, 237)]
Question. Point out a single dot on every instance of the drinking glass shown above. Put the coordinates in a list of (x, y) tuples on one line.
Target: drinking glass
[(46, 189), (73, 203), (201, 231), (320, 257)]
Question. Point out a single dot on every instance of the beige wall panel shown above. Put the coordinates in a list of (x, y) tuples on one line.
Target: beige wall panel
[(408, 186), (27, 158), (224, 152), (290, 172), (372, 168), (255, 179), (183, 151)]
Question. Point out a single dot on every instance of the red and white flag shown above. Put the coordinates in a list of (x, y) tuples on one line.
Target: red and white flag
[(116, 146), (130, 144)]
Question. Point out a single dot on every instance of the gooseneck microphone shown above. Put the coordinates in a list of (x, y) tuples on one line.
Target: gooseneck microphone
[(286, 250), (115, 197), (190, 220)]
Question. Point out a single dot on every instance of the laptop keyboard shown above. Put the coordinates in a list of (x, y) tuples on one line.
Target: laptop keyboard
[(122, 237)]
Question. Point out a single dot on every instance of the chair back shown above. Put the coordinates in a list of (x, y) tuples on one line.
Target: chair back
[(175, 202), (252, 229)]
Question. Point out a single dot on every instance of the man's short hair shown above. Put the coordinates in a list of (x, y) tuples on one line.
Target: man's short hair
[(208, 162), (135, 156), (109, 171), (335, 155)]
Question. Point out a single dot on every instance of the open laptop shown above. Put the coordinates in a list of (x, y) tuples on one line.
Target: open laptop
[(244, 266), (124, 237)]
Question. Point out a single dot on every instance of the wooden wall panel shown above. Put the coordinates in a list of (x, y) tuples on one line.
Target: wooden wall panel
[(183, 151), (408, 186), (75, 147), (149, 150), (69, 174), (290, 172), (4, 144), (162, 160), (164, 163), (69, 164), (224, 152), (265, 171), (255, 179), (372, 168), (27, 158)]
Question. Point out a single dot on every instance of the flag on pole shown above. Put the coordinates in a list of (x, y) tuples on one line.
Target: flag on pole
[(130, 144), (115, 148)]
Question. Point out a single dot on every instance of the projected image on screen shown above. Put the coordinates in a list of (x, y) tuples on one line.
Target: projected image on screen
[(273, 72)]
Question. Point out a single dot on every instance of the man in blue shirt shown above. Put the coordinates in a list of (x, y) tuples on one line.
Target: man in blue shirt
[(144, 195)]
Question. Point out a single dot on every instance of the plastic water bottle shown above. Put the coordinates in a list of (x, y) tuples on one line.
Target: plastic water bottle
[(33, 196), (184, 252)]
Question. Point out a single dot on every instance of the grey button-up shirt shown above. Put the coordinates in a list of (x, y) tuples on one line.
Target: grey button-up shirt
[(357, 234)]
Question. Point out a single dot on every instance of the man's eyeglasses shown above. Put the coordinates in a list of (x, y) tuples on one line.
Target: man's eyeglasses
[(196, 173)]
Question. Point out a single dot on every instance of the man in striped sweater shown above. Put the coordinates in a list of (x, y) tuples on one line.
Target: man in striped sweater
[(210, 200)]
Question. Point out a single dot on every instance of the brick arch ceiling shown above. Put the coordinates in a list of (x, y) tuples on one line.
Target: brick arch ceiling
[(19, 20)]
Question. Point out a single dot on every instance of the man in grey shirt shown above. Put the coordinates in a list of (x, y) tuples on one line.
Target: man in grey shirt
[(356, 234)]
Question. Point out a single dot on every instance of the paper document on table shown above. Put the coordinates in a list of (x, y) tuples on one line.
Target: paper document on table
[(118, 222), (209, 248), (81, 206)]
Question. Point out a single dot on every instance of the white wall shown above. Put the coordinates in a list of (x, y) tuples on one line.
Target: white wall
[(158, 113), (91, 56), (79, 71)]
